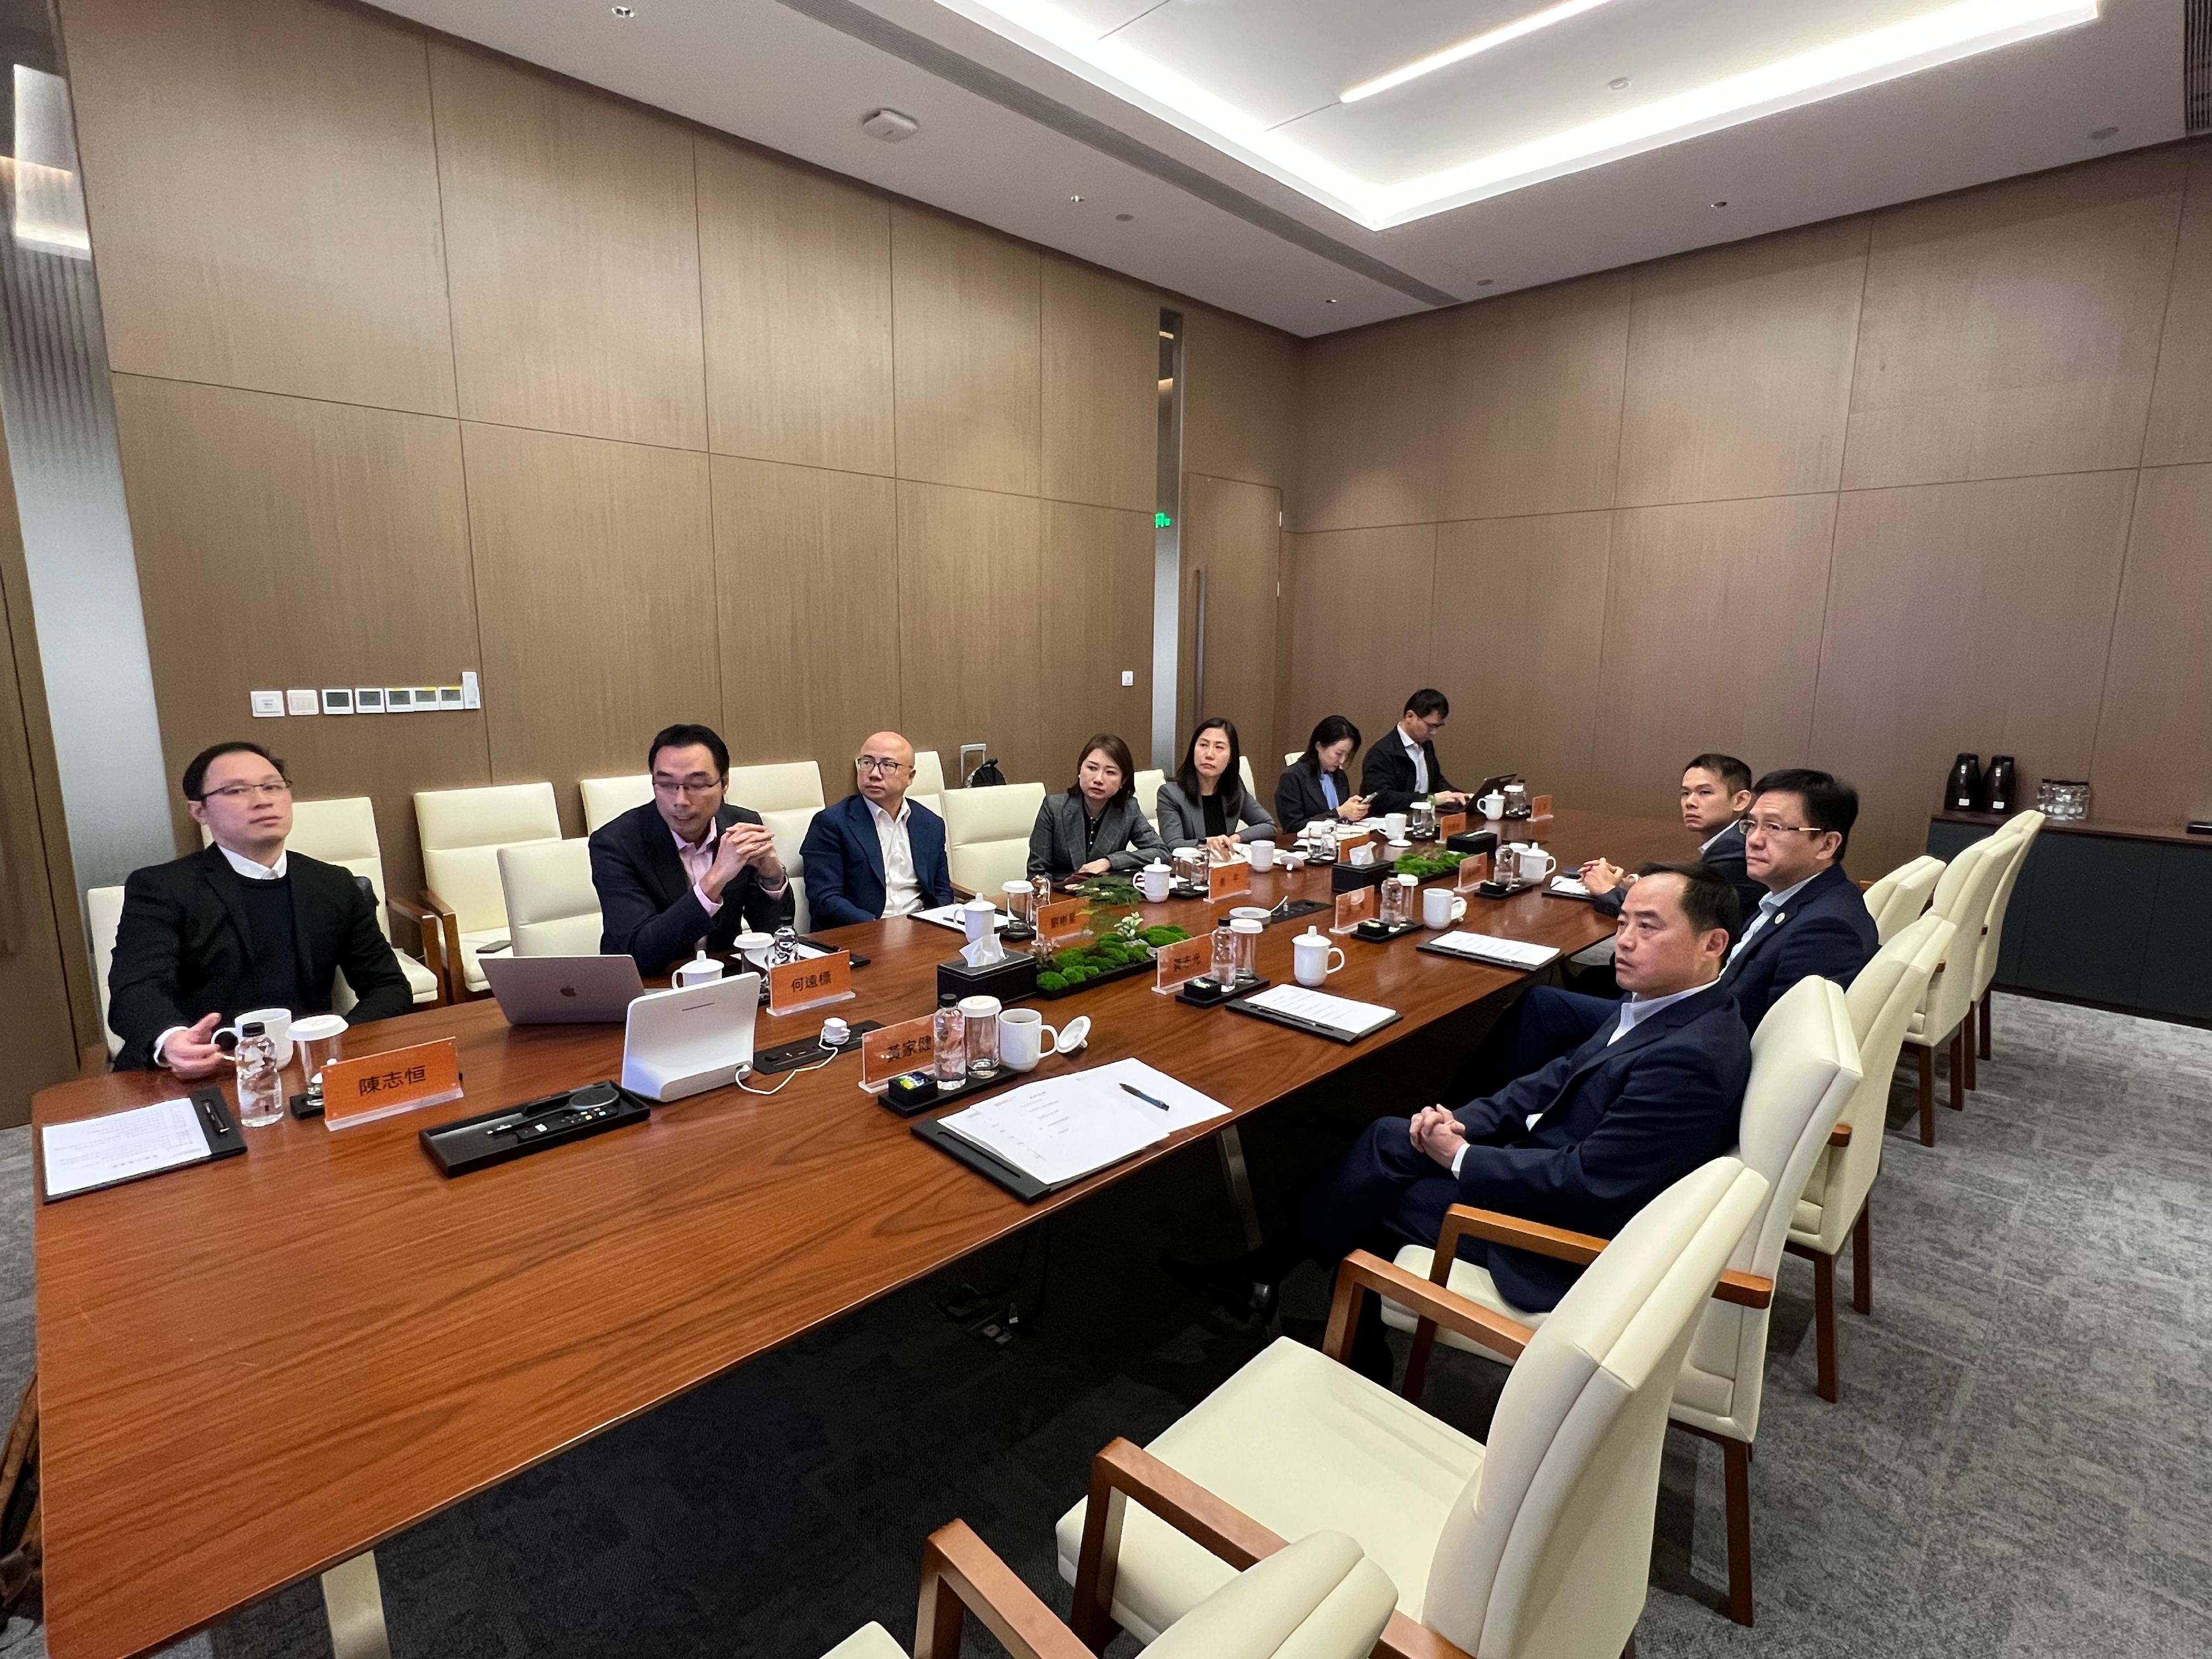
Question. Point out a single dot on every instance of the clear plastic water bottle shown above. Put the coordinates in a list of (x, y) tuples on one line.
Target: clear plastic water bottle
[(785, 950), (260, 1083), (949, 1036)]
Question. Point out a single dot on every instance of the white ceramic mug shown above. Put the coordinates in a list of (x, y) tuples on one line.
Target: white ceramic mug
[(1536, 865), (981, 918), (276, 1023), (1492, 805), (1153, 881), (1440, 909), (1313, 958), (1025, 1039), (702, 969), (1395, 823), (754, 948), (1262, 855)]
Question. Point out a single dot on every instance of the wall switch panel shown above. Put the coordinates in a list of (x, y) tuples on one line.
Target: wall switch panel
[(297, 701), (268, 705), (1128, 676), (337, 700), (449, 696), (368, 700), (471, 697), (398, 699), (426, 697)]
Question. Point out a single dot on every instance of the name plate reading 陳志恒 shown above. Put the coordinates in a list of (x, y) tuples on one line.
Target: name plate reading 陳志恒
[(890, 1050), (1184, 960), (794, 986), (1227, 880), (398, 1080), (1474, 870), (1063, 922), (1353, 908)]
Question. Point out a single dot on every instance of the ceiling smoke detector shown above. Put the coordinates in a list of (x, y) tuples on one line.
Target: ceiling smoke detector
[(889, 125)]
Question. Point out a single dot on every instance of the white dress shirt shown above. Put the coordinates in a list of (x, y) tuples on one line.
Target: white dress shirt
[(1769, 908), (248, 871), (902, 890), (1420, 761), (696, 862), (1633, 1011)]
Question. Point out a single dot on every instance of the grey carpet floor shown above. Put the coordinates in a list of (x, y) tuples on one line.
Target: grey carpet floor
[(2020, 1464)]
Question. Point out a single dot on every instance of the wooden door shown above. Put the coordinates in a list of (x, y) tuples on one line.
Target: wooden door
[(1231, 591)]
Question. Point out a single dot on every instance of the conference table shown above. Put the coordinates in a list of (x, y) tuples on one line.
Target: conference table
[(252, 1370)]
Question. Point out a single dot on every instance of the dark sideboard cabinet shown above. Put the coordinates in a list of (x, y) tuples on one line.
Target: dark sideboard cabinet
[(2113, 914)]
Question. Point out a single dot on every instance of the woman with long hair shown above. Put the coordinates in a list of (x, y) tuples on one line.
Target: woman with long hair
[(1206, 802), (1096, 825), (1318, 784)]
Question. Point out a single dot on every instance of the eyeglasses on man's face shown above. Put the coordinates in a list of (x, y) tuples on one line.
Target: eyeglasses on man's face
[(887, 764), (1769, 827), (694, 785), (276, 789)]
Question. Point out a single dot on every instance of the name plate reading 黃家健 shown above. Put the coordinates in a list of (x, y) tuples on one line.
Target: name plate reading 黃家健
[(891, 1050)]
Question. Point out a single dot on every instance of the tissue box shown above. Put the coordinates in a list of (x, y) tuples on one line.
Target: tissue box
[(1474, 841), (1009, 981), (1350, 878)]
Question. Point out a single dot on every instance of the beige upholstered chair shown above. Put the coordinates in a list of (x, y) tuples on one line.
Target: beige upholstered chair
[(1946, 1007), (2023, 830), (1146, 787), (928, 785), (986, 834), (1294, 757), (552, 909), (1244, 771), (607, 798), (1899, 896), (462, 831), (103, 914), (1319, 1598), (1834, 1204), (1804, 1065), (1536, 1544)]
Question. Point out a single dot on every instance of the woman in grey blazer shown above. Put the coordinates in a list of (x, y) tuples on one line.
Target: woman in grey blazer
[(1206, 802), (1097, 826)]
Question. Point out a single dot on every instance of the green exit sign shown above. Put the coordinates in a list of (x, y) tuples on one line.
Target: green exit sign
[(1162, 521)]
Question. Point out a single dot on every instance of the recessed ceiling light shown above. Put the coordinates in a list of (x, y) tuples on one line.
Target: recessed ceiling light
[(1075, 198), (1466, 49), (1123, 218), (623, 11), (1328, 302), (2103, 133), (1485, 281), (1722, 203), (1619, 83), (1941, 32)]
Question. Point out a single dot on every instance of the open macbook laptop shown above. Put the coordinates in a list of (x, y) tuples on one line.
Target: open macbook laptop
[(563, 990)]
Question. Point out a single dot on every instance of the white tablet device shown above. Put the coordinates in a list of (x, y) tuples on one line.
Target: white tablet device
[(690, 1039)]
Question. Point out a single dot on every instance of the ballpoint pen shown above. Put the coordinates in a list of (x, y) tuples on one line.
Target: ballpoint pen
[(1150, 1100)]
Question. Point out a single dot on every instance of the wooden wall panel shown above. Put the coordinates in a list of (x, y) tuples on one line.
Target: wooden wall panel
[(2015, 330), (1519, 617), (1530, 415), (1965, 617), (1712, 633), (1370, 444), (1241, 406), (2181, 403), (287, 542), (971, 571), (595, 573), (1094, 618), (967, 313), (795, 279), (1100, 351), (1231, 531), (1361, 618), (1740, 368), (572, 233), (2155, 727), (804, 557), (263, 192)]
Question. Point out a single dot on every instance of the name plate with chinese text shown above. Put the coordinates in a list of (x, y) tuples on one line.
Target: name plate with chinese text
[(1474, 870), (810, 982), (1540, 806), (398, 1080), (1227, 880), (1449, 824), (1353, 908), (891, 1050), (1063, 922), (1184, 960)]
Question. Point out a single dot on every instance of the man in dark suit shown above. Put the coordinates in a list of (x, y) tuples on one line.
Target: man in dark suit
[(240, 925), (1402, 767), (1716, 794), (1584, 1143), (876, 854), (686, 868)]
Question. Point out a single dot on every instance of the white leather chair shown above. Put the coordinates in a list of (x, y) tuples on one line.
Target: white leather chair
[(607, 798), (986, 834), (1899, 896), (103, 914), (2023, 830), (1319, 1598), (928, 785), (1804, 1066), (462, 831), (1294, 757), (1244, 771), (1946, 1007), (552, 909), (1146, 787), (1835, 1204), (1538, 1543)]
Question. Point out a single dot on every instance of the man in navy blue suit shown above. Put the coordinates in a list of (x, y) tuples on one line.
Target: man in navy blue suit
[(1584, 1143), (876, 854)]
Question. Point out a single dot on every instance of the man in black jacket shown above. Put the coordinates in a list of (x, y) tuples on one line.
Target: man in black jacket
[(242, 924), (1716, 794), (685, 868), (1584, 1143), (1402, 768)]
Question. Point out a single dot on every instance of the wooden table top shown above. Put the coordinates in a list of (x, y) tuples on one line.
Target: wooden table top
[(250, 1370)]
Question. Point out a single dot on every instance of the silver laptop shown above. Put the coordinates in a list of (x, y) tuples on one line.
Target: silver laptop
[(563, 990)]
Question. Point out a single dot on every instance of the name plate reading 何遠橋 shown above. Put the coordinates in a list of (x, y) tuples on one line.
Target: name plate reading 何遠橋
[(810, 982)]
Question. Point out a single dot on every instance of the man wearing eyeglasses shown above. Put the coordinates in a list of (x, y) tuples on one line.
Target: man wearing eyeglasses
[(876, 854), (240, 925), (686, 869)]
